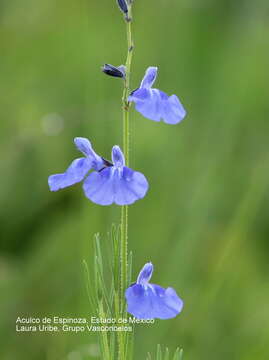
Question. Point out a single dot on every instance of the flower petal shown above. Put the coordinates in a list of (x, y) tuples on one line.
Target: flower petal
[(98, 187), (74, 174), (130, 186), (145, 274), (172, 110), (114, 185), (152, 301), (140, 94), (149, 77), (85, 147), (117, 156), (155, 105), (148, 103)]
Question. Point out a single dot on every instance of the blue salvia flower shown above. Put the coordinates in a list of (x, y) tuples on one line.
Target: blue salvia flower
[(154, 104), (108, 183), (150, 301), (78, 168)]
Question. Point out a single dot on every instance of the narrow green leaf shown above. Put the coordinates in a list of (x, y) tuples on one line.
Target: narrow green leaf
[(116, 257), (112, 346), (96, 282), (102, 290), (130, 265), (166, 355), (112, 295), (178, 354), (104, 334), (99, 253), (89, 287), (129, 343), (159, 352)]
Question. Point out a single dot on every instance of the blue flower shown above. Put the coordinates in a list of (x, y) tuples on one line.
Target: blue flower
[(154, 104), (149, 301), (108, 183)]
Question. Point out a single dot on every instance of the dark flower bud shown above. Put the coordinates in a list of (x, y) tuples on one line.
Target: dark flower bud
[(114, 71), (123, 6)]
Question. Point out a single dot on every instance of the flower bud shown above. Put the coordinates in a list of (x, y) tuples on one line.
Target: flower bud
[(123, 6), (114, 71)]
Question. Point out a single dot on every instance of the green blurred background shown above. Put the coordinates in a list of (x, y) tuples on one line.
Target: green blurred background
[(204, 223)]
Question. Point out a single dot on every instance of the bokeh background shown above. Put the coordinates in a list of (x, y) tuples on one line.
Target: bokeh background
[(204, 223)]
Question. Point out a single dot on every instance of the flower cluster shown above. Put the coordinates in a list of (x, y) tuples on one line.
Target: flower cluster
[(112, 182)]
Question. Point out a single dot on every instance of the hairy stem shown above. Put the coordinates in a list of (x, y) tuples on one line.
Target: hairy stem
[(126, 145), (126, 136)]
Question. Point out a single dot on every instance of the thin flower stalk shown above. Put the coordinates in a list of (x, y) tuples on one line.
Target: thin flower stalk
[(126, 146)]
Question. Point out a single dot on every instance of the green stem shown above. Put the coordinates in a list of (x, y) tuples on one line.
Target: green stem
[(124, 209), (126, 91), (126, 136)]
